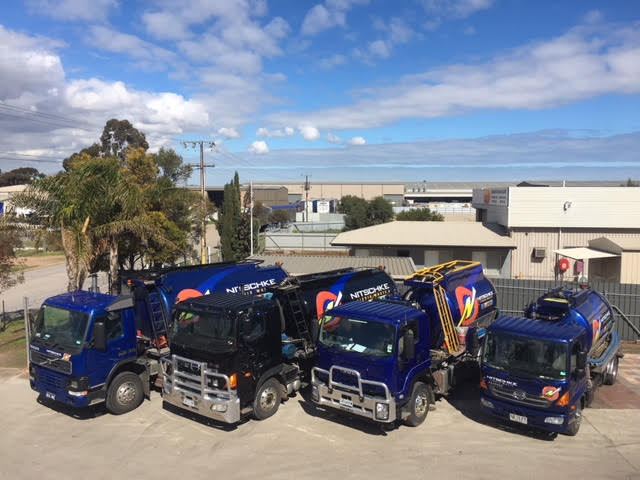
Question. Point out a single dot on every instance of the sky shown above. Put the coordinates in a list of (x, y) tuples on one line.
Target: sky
[(340, 90)]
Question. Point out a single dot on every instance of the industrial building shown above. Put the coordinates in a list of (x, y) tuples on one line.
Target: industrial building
[(431, 243), (543, 222)]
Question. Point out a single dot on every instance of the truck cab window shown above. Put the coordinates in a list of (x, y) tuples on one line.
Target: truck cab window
[(113, 326)]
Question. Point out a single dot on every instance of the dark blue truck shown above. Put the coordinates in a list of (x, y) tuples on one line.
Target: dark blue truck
[(234, 357), (88, 347), (543, 370), (385, 361)]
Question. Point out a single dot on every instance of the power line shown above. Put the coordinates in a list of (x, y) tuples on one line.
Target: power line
[(39, 113), (43, 121)]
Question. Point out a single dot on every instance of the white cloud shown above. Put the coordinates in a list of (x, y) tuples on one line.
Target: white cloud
[(397, 32), (332, 14), (456, 8), (309, 133), (357, 141), (259, 147), (279, 133), (72, 10), (34, 79), (470, 30), (584, 63), (228, 132), (332, 138), (335, 60)]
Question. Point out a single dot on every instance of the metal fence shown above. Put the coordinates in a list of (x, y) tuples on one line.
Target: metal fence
[(515, 295)]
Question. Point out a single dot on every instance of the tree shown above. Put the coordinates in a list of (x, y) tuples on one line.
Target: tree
[(233, 224), (9, 241), (279, 216), (360, 213), (420, 215), (379, 211), (172, 166), (118, 136), (630, 183), (20, 176)]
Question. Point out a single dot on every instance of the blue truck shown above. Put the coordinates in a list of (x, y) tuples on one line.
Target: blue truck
[(386, 360), (543, 369), (235, 356), (88, 347)]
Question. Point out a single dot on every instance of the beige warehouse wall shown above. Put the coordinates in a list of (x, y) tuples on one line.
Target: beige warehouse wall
[(338, 190), (524, 266), (630, 267)]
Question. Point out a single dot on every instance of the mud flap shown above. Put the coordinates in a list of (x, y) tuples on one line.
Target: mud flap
[(146, 383)]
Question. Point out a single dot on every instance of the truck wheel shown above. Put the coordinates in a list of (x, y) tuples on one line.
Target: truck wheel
[(419, 403), (574, 425), (267, 399), (611, 374), (125, 393)]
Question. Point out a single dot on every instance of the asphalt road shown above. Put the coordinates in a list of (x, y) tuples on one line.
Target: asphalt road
[(456, 442)]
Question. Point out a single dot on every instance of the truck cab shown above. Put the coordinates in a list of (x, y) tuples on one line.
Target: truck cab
[(542, 370), (386, 361), (373, 361), (81, 342)]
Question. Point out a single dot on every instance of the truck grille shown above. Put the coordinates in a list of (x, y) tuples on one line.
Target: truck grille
[(52, 379), (58, 365), (518, 396), (194, 378)]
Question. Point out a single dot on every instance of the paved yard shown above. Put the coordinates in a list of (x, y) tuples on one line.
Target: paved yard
[(457, 442)]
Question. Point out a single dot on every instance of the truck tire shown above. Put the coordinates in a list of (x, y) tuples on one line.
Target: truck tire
[(419, 403), (125, 393), (267, 399), (611, 373), (574, 426)]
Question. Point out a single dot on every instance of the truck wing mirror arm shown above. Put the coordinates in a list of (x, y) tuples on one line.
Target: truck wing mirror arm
[(100, 336)]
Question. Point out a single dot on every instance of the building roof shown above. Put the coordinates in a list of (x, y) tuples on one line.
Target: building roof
[(583, 253), (618, 245), (426, 234), (396, 267)]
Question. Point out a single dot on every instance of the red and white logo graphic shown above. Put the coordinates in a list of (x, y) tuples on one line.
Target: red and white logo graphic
[(468, 305), (326, 301), (551, 393)]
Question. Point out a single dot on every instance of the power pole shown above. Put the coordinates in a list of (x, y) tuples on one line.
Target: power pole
[(307, 187), (251, 213), (203, 192)]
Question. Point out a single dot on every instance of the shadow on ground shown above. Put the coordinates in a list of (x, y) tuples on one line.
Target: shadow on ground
[(465, 398), (85, 413), (207, 422), (341, 418)]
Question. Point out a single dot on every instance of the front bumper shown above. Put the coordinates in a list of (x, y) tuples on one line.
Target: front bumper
[(53, 386), (538, 419), (352, 399), (190, 392)]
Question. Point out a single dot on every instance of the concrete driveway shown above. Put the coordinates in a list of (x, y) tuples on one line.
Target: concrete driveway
[(456, 442)]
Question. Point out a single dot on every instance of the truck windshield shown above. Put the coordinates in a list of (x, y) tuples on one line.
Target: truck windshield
[(203, 328), (359, 336), (57, 327), (544, 359)]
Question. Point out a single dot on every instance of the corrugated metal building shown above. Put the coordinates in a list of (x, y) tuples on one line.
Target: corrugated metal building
[(393, 192), (432, 243), (543, 220), (397, 268)]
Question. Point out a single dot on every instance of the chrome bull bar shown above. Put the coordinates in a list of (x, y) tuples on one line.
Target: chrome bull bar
[(332, 394)]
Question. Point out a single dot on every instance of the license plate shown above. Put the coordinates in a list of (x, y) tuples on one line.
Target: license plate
[(346, 402), (50, 395), (517, 418), (189, 402)]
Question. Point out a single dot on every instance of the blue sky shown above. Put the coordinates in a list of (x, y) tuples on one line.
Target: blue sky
[(343, 90)]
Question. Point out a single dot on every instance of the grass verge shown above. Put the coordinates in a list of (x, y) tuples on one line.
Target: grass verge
[(13, 353)]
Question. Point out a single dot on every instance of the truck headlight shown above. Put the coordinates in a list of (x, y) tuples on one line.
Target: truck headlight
[(554, 420), (486, 403), (78, 383), (382, 411), (315, 393), (219, 407)]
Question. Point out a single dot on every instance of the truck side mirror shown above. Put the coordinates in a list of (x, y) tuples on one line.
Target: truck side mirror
[(100, 336), (247, 327), (581, 360), (409, 345)]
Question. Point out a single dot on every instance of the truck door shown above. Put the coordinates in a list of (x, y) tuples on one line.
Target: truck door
[(405, 365), (120, 345)]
